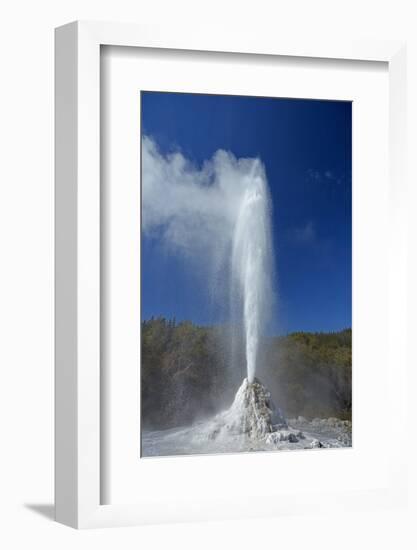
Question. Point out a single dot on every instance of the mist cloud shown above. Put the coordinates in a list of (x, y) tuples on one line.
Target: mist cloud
[(193, 210), (218, 218)]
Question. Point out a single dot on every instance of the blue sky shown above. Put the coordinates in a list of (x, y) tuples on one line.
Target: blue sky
[(305, 146)]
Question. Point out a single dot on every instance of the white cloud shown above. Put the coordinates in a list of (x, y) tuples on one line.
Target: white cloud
[(193, 210), (306, 234), (328, 176)]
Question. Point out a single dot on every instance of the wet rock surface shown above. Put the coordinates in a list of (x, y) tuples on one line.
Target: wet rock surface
[(338, 432)]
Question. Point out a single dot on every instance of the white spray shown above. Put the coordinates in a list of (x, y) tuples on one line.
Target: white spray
[(252, 261), (219, 217)]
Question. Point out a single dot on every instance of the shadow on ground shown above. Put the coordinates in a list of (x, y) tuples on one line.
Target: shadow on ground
[(45, 510)]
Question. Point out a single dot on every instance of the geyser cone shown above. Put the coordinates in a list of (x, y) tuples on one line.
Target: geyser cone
[(253, 412)]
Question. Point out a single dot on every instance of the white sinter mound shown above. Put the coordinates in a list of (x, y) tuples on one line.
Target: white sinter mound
[(252, 413)]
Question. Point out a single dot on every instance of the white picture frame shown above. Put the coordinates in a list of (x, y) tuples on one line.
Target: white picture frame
[(77, 394)]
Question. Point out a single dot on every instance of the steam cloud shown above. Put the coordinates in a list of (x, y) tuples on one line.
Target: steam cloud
[(192, 210)]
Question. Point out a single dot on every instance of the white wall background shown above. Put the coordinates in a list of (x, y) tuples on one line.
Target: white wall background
[(26, 269)]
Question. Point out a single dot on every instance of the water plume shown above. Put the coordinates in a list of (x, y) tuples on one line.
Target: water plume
[(251, 260), (217, 215)]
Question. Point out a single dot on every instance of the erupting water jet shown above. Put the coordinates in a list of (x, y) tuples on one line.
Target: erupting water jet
[(252, 261)]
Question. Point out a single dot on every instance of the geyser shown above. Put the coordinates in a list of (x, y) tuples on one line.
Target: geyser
[(217, 217), (251, 260)]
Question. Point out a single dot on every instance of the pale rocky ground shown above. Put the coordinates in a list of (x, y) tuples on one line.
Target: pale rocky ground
[(252, 423)]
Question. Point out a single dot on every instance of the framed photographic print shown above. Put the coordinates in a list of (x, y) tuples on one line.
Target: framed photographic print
[(217, 234), (228, 214)]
